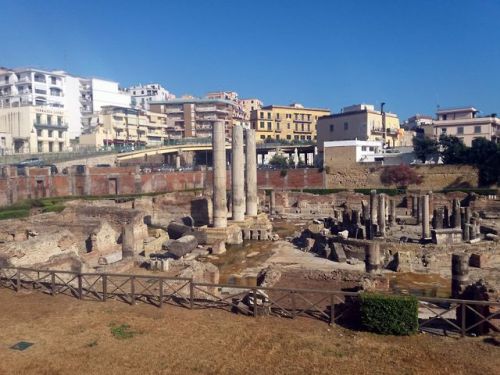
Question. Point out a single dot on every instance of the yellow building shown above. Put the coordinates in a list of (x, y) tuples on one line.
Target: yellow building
[(291, 123), (360, 122), (120, 126)]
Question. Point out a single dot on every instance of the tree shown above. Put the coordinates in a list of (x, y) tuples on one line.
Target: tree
[(400, 175), (485, 155), (453, 151), (425, 148), (279, 161)]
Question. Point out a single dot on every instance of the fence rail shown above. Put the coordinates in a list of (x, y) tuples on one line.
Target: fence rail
[(443, 314)]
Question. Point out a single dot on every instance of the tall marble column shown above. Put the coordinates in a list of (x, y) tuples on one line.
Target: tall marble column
[(251, 173), (238, 174), (219, 175)]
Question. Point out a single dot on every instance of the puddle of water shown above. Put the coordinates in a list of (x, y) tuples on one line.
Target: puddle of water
[(235, 261), (427, 285)]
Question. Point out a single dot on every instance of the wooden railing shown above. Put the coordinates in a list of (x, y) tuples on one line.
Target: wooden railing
[(442, 314)]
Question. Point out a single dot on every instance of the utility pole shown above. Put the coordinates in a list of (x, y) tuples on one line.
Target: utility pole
[(384, 131)]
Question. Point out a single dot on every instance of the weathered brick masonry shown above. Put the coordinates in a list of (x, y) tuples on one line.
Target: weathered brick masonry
[(39, 183)]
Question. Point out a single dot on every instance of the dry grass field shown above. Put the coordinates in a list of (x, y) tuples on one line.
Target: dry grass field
[(84, 337)]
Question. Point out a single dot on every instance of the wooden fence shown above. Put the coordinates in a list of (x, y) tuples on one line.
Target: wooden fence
[(435, 314)]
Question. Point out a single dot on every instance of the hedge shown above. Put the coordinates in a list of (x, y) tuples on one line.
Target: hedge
[(389, 314)]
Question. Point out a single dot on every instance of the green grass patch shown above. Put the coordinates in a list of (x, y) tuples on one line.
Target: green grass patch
[(391, 192), (14, 214), (389, 314), (54, 208), (478, 191), (122, 331)]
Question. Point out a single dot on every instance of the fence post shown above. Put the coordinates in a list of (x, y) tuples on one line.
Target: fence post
[(104, 288), (294, 312), (53, 283), (191, 294), (80, 291), (255, 302), (132, 290), (161, 293), (332, 309), (463, 322), (18, 280)]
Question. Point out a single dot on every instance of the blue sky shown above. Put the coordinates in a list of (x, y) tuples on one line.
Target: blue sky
[(413, 55)]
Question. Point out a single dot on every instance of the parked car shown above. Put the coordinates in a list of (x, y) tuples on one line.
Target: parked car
[(32, 162)]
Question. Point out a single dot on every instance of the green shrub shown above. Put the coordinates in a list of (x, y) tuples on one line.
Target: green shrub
[(389, 314), (121, 331)]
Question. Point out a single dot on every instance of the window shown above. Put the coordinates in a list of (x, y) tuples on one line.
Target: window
[(59, 120), (288, 136), (460, 130), (49, 120), (477, 129), (40, 146), (443, 130), (261, 114), (60, 133), (51, 146), (38, 118), (38, 133), (346, 126), (277, 116), (268, 115), (302, 127), (277, 136), (269, 126), (288, 126), (303, 137), (61, 146), (53, 80), (308, 127), (309, 137), (262, 137), (262, 125), (50, 133), (278, 126), (332, 128), (296, 137)]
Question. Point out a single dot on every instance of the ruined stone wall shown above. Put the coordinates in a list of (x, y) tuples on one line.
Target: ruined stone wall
[(434, 176)]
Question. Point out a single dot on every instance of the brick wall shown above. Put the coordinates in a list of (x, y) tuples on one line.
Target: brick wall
[(38, 182)]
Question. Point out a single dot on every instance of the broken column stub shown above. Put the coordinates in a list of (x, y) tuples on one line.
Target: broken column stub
[(372, 258), (459, 273)]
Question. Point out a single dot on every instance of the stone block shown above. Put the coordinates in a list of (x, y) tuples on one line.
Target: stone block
[(338, 253), (446, 236)]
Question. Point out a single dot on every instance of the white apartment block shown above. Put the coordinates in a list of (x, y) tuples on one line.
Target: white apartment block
[(32, 129), (76, 96), (142, 95)]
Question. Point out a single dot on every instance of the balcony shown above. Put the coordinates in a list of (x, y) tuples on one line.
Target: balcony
[(44, 125)]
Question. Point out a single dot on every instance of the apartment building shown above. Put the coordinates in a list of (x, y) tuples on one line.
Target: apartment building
[(77, 96), (32, 129), (466, 124), (360, 122), (142, 95), (196, 116), (121, 126), (291, 123), (250, 105)]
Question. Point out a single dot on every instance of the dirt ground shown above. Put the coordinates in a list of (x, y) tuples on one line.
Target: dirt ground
[(76, 337)]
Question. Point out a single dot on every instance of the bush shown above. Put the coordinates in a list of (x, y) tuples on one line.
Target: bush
[(389, 314), (400, 175)]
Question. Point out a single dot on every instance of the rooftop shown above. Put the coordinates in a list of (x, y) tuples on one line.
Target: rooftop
[(295, 106)]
